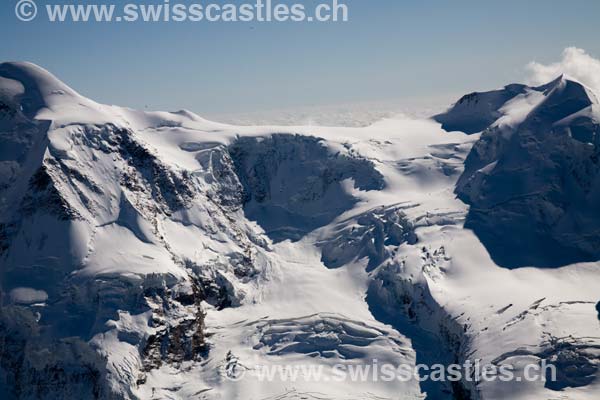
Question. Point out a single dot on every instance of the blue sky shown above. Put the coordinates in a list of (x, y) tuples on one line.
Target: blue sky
[(390, 49)]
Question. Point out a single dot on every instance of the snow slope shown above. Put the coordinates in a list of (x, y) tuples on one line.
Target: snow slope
[(154, 255)]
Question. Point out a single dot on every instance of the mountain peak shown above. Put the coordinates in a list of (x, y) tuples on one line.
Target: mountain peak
[(563, 97), (477, 111), (40, 88)]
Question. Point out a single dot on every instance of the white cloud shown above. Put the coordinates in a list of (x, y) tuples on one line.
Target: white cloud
[(575, 63)]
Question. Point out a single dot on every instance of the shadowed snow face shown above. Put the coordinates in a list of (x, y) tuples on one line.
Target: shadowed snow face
[(534, 187), (294, 184)]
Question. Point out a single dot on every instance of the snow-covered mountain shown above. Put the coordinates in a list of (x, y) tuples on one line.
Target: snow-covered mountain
[(155, 255), (533, 179)]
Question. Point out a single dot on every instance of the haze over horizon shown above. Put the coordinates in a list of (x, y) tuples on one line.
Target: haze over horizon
[(390, 53)]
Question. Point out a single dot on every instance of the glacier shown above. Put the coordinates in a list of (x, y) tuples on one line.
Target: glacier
[(159, 255)]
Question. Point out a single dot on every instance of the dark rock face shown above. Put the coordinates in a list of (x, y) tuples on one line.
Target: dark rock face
[(43, 196), (534, 190), (293, 183), (175, 343), (170, 190)]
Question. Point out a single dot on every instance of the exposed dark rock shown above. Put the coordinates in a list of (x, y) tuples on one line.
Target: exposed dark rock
[(44, 196), (183, 341)]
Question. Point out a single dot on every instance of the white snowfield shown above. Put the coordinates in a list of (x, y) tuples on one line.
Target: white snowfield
[(157, 255)]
